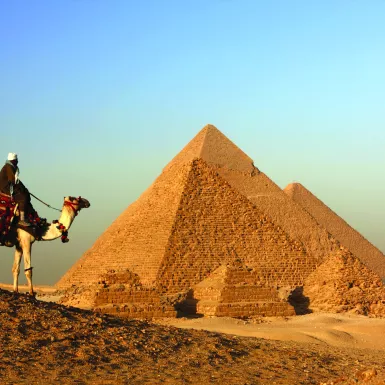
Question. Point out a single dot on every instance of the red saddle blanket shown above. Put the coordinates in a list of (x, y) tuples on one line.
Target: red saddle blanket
[(7, 213)]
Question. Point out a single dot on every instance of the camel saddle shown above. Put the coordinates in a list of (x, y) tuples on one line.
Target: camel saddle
[(8, 221)]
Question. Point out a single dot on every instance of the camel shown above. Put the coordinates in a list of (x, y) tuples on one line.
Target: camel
[(22, 239)]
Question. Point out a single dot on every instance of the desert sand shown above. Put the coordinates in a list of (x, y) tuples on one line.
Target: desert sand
[(340, 330), (43, 342)]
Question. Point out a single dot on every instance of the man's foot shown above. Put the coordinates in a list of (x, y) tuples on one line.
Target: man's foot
[(24, 223)]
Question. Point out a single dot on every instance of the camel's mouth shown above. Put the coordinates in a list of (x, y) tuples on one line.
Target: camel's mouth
[(84, 203)]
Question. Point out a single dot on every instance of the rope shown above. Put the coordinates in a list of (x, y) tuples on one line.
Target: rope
[(44, 202)]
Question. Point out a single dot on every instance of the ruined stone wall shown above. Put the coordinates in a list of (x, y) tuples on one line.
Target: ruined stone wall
[(137, 238), (135, 302), (335, 225), (252, 309), (121, 293), (342, 284), (214, 224)]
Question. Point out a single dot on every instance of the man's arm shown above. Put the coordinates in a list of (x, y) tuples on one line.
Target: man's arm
[(10, 174)]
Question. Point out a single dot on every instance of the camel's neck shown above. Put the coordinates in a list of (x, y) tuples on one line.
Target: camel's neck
[(66, 218)]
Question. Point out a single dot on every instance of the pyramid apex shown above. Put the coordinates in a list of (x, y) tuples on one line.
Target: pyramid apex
[(206, 129), (293, 184), (211, 145), (209, 127), (294, 188)]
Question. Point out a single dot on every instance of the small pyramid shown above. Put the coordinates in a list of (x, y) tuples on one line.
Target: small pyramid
[(344, 284), (235, 290), (338, 228)]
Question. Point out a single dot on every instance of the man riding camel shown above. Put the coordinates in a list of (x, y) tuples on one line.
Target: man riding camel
[(10, 184)]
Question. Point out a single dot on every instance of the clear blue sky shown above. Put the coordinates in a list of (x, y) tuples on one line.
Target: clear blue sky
[(97, 96)]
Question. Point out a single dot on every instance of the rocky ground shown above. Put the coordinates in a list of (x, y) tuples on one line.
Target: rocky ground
[(47, 343)]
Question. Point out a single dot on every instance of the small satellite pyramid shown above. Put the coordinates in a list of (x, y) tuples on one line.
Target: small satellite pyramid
[(344, 284)]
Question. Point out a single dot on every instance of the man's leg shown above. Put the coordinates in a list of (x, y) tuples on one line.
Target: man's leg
[(21, 196)]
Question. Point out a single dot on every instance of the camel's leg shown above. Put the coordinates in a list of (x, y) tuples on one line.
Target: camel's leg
[(16, 268), (27, 248)]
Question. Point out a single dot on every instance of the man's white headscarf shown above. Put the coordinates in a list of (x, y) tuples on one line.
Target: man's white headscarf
[(12, 156)]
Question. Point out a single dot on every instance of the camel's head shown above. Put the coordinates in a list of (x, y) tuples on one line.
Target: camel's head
[(76, 203)]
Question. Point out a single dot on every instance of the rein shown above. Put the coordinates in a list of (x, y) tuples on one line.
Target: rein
[(53, 208), (66, 203)]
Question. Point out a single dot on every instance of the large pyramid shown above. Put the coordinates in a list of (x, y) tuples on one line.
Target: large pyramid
[(188, 223), (209, 208), (338, 228)]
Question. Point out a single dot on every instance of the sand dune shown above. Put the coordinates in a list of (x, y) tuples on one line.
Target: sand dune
[(332, 329)]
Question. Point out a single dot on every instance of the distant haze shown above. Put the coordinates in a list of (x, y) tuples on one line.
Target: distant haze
[(97, 97)]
